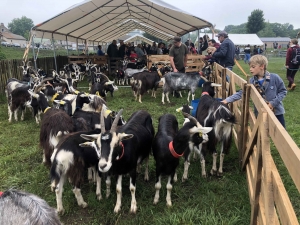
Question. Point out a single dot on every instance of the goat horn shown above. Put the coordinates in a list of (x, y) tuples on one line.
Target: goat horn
[(41, 85), (215, 85), (102, 119), (27, 63), (114, 125), (204, 79), (23, 63)]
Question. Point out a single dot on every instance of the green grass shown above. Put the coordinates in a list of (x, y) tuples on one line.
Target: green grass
[(17, 53), (206, 201)]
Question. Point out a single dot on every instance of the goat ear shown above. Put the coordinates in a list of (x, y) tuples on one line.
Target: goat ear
[(123, 136), (205, 130), (215, 85), (191, 107), (90, 137)]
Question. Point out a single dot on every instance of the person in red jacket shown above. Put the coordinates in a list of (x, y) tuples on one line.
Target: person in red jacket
[(133, 56), (291, 69)]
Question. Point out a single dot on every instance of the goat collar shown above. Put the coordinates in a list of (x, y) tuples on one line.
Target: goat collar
[(172, 150), (46, 109), (54, 97), (204, 93), (122, 150)]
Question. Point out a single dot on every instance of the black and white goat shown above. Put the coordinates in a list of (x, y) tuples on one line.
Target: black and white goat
[(169, 144), (213, 113), (70, 161), (121, 150), (144, 81), (19, 207), (26, 72)]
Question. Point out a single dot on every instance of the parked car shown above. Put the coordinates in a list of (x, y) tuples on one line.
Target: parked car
[(16, 45), (6, 44)]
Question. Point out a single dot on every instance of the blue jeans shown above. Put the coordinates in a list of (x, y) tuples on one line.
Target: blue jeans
[(227, 77), (281, 119), (247, 58)]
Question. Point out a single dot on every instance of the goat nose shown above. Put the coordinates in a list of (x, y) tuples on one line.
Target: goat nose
[(103, 166)]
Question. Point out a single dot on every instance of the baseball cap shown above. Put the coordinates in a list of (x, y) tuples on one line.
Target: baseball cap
[(222, 33), (177, 39)]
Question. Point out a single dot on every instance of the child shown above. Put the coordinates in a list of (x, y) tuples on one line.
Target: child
[(269, 85), (133, 56)]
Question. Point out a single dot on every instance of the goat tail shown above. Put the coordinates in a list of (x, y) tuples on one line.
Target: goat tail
[(55, 174)]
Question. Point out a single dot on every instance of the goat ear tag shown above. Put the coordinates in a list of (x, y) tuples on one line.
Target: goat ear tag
[(76, 92), (200, 134), (179, 109), (62, 102)]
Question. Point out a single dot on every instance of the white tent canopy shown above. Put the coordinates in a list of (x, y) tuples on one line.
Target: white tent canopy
[(105, 20), (138, 37), (240, 39)]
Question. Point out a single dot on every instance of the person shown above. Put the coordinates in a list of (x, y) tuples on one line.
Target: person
[(259, 50), (200, 45), (153, 49), (112, 50), (209, 57), (237, 52), (275, 45), (99, 52), (164, 49), (133, 56), (139, 51), (178, 55), (269, 85), (255, 50), (192, 49), (265, 46), (291, 69), (159, 50), (213, 43), (247, 52), (167, 50), (122, 49), (204, 44), (225, 53), (20, 207)]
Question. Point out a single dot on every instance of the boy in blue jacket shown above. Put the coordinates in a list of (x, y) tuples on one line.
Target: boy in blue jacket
[(269, 85)]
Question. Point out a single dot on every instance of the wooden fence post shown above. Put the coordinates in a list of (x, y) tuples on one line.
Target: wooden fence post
[(224, 83)]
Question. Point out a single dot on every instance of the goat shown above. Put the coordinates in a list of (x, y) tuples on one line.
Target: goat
[(25, 72), (70, 161), (19, 207), (211, 112), (180, 81), (145, 81), (169, 144), (123, 149)]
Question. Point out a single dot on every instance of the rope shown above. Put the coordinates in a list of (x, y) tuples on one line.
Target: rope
[(239, 66)]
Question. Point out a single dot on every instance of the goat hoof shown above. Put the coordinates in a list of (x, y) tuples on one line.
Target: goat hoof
[(133, 209), (213, 172), (155, 201), (83, 204), (204, 175), (184, 179), (169, 204), (117, 209), (146, 178), (60, 211), (99, 197), (219, 174)]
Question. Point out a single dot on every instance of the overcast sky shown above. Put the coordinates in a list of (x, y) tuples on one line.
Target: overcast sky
[(219, 12)]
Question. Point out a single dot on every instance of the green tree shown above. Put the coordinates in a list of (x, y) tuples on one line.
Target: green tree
[(21, 26), (255, 21), (267, 31), (239, 29)]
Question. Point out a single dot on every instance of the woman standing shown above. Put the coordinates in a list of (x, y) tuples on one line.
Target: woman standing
[(291, 69), (247, 52)]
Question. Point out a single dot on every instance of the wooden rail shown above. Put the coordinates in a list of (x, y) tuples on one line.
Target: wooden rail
[(194, 63), (252, 135)]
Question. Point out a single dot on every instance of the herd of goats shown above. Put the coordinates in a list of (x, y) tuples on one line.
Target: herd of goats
[(79, 133)]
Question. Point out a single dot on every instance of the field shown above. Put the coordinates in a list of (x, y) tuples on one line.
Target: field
[(206, 201)]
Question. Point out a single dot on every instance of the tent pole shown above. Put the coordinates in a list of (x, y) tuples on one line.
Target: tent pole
[(198, 34), (67, 45), (54, 52), (77, 46), (33, 52)]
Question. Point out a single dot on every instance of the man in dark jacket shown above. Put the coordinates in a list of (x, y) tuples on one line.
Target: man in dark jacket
[(122, 49), (225, 53), (112, 50)]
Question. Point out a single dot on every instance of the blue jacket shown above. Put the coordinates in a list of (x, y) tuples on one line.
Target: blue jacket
[(275, 92), (225, 53), (99, 52)]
